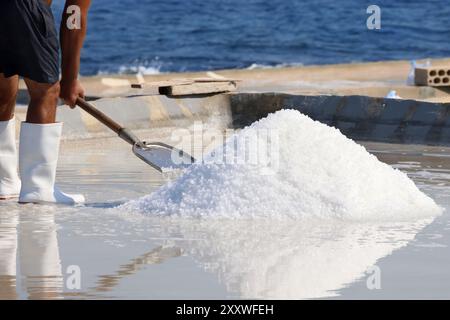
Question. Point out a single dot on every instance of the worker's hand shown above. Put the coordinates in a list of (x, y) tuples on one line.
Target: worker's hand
[(70, 91)]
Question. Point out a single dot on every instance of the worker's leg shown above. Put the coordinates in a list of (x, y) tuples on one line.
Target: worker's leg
[(39, 148), (43, 101), (8, 93), (9, 180)]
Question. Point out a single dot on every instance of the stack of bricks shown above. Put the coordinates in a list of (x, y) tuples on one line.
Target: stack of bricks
[(432, 76)]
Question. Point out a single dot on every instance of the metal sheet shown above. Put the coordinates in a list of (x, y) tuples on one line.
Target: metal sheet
[(163, 157)]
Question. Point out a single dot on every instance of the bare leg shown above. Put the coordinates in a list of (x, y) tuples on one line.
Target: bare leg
[(43, 101), (8, 93), (39, 147)]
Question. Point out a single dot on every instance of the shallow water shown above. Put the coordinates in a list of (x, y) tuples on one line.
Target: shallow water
[(123, 255)]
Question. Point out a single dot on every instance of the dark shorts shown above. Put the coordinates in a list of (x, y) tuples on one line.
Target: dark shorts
[(28, 40)]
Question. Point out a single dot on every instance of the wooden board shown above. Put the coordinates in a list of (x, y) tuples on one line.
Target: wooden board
[(196, 86), (164, 83)]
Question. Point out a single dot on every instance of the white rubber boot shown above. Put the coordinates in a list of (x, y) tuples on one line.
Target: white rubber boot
[(9, 179), (38, 157)]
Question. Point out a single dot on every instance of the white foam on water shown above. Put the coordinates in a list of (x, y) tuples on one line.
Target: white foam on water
[(146, 67), (320, 173), (140, 69), (257, 66)]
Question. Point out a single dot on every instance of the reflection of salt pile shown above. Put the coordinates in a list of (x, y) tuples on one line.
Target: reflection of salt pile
[(278, 259), (320, 172)]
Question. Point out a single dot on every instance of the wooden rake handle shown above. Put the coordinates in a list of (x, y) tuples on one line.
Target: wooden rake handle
[(122, 132)]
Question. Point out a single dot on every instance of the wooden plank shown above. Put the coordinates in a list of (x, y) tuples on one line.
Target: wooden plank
[(198, 88), (164, 83), (215, 80), (179, 87), (175, 82)]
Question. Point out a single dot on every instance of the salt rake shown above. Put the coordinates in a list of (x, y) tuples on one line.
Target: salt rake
[(160, 156)]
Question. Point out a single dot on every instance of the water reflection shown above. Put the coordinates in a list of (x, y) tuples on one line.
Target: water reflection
[(158, 255), (29, 255), (288, 259), (8, 253), (269, 259), (257, 258)]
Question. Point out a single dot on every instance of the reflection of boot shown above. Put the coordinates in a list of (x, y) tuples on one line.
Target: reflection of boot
[(38, 156), (39, 259), (8, 254), (9, 180)]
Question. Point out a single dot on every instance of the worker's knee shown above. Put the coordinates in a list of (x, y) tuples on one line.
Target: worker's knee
[(6, 99), (7, 104), (45, 94), (7, 96), (53, 92)]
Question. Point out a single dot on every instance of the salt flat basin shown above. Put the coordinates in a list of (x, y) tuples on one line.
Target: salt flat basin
[(126, 255)]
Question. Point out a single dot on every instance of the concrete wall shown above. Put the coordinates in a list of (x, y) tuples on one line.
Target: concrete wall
[(358, 117), (141, 112)]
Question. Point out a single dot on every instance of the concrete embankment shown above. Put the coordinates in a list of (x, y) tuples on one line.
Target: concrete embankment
[(349, 97), (358, 117)]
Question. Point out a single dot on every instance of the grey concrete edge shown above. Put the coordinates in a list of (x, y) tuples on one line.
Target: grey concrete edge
[(358, 117)]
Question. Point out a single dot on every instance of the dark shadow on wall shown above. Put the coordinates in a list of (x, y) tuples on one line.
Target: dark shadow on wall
[(358, 117)]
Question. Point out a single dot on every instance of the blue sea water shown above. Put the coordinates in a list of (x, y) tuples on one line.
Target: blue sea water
[(152, 36)]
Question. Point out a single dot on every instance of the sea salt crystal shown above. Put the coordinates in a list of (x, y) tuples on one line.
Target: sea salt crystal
[(319, 173)]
